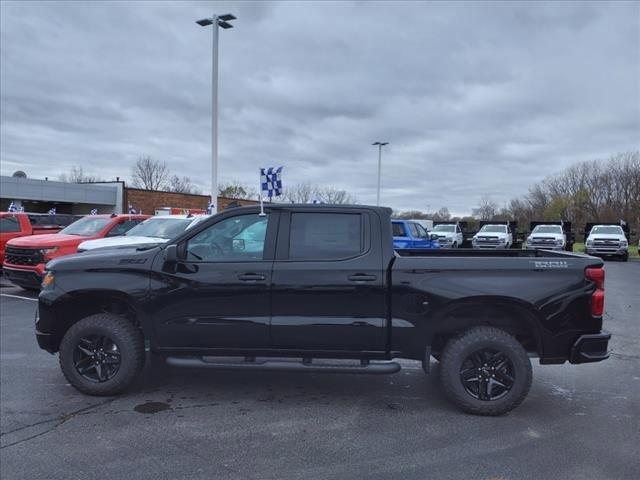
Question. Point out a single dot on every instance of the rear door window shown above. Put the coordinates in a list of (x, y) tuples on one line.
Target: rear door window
[(325, 236)]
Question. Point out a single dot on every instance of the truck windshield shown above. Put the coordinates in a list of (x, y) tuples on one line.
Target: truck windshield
[(547, 229), (444, 228), (87, 226), (160, 227), (607, 230), (494, 228)]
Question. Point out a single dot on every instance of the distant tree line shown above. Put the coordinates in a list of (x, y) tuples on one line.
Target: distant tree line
[(592, 191), (295, 193)]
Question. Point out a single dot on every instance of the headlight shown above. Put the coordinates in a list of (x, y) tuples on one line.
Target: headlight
[(559, 242), (589, 243), (49, 251), (624, 243), (529, 240), (502, 240)]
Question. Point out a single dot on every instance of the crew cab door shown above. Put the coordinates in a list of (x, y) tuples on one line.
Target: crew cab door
[(328, 282), (217, 296)]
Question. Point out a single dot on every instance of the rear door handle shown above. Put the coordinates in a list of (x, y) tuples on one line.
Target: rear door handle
[(362, 277), (251, 277)]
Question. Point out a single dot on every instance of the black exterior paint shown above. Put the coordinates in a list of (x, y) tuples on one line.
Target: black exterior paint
[(379, 304)]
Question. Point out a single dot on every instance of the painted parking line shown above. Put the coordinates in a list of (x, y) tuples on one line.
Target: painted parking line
[(18, 296)]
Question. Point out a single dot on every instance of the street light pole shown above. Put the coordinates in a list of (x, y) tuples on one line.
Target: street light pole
[(223, 22), (380, 145)]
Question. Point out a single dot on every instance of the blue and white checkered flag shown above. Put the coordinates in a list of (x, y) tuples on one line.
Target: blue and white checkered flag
[(94, 211), (12, 207), (52, 211), (271, 181), (131, 210)]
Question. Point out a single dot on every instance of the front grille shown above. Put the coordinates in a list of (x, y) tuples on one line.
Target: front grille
[(487, 241), (542, 242), (23, 256), (606, 243)]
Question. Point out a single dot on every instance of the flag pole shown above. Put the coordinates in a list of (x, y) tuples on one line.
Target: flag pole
[(262, 214)]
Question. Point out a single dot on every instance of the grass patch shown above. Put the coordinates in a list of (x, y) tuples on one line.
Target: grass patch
[(633, 249)]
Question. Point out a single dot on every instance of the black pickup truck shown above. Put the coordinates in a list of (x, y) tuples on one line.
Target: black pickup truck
[(319, 288)]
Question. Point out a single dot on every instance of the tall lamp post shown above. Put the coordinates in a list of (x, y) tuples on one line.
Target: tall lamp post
[(380, 145), (221, 21)]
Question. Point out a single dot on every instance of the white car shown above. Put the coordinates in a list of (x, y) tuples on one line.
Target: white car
[(608, 240), (493, 236), (546, 237), (154, 230), (449, 235)]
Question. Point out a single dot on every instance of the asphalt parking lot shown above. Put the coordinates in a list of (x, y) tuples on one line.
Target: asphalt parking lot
[(579, 422)]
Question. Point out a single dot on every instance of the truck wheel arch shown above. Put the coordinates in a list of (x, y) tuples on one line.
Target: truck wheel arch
[(511, 315), (78, 305)]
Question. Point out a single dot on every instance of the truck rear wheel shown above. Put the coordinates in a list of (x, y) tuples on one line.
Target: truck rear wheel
[(102, 354), (485, 371)]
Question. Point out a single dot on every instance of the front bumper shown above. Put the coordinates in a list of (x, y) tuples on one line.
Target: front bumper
[(590, 348), (544, 247), (606, 251), (23, 277)]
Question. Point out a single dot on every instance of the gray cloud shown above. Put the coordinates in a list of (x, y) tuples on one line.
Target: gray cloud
[(476, 98)]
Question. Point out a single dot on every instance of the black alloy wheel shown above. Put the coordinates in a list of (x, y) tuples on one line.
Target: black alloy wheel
[(96, 358), (487, 374)]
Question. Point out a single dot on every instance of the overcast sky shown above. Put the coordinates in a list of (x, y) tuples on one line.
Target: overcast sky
[(475, 99)]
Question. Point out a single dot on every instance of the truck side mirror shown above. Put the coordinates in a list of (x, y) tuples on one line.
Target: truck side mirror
[(433, 236), (171, 254)]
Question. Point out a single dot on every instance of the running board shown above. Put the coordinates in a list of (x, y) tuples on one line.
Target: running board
[(287, 365)]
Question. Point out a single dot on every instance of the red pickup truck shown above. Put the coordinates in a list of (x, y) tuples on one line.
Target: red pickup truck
[(20, 224), (26, 257)]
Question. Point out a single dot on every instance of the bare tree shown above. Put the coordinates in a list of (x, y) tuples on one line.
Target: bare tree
[(441, 215), (487, 209), (238, 190), (149, 174), (181, 185), (307, 193), (76, 175)]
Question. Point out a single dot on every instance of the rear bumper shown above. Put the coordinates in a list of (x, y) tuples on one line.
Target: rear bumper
[(23, 277), (589, 348)]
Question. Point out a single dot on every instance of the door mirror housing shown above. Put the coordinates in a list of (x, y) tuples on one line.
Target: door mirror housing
[(433, 236), (171, 254)]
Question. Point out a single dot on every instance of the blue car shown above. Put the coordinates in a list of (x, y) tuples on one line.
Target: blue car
[(410, 234)]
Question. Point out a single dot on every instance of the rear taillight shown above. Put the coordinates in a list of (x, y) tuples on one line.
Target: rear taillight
[(596, 275)]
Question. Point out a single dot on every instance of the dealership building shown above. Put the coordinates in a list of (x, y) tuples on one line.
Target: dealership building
[(40, 196)]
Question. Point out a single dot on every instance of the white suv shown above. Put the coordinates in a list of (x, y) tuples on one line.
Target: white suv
[(608, 240), (449, 235)]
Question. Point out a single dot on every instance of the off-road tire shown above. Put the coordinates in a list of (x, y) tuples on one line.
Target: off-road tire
[(461, 347), (123, 333), (625, 257)]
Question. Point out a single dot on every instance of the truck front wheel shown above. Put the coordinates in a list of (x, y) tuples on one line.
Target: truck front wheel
[(485, 371), (102, 354)]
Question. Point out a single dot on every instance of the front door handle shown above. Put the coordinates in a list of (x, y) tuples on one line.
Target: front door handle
[(362, 277), (250, 277)]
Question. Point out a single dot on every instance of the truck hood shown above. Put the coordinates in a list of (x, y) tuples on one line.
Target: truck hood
[(106, 259), (443, 234), (607, 236), (122, 241), (47, 240)]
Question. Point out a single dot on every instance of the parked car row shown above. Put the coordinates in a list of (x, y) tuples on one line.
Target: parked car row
[(602, 239), (26, 249)]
